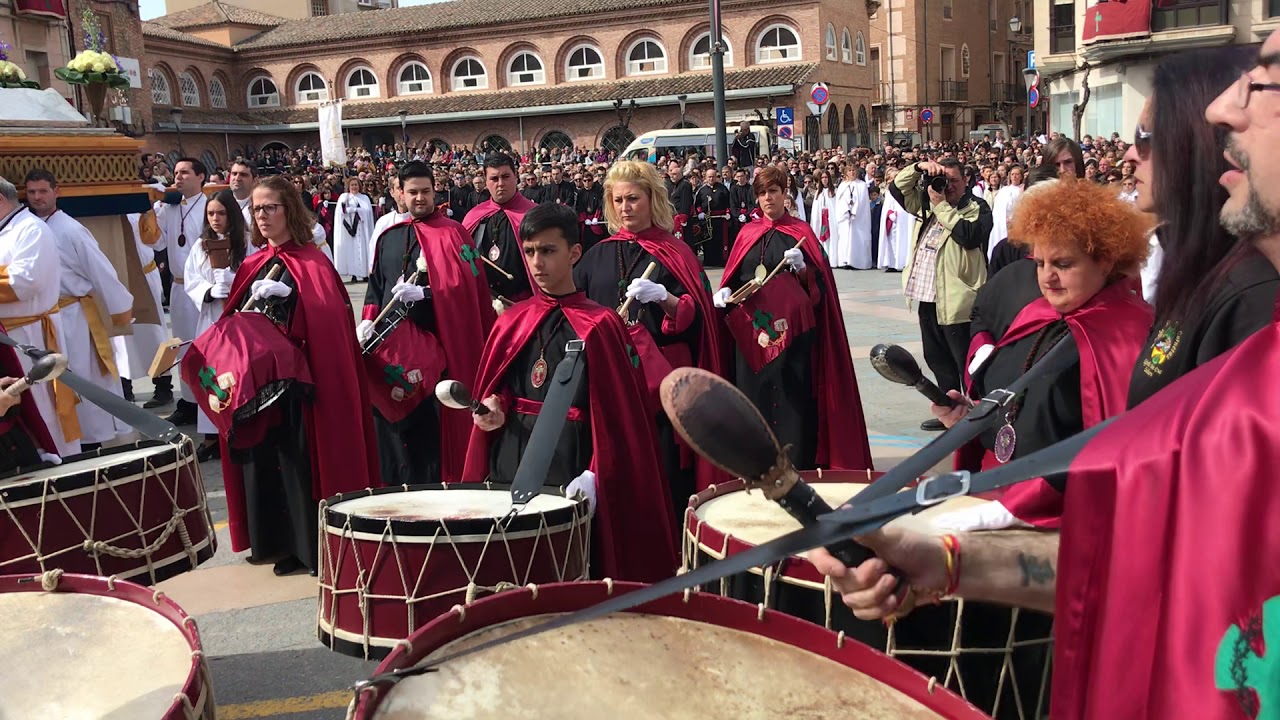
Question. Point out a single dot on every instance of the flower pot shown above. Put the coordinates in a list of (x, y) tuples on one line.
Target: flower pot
[(97, 94)]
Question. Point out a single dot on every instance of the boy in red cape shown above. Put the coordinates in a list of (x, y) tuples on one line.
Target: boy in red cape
[(494, 225), (325, 446), (429, 444), (607, 448), (808, 393)]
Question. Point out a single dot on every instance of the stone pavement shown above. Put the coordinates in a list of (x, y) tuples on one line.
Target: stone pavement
[(259, 630)]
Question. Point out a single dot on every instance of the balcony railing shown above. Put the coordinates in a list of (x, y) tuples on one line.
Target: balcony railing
[(883, 94), (1010, 93), (953, 91), (1062, 39)]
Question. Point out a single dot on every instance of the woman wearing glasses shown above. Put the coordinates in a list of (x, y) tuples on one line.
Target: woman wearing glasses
[(322, 447)]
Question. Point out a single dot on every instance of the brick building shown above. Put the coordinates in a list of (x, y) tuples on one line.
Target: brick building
[(962, 61), (291, 8), (519, 75)]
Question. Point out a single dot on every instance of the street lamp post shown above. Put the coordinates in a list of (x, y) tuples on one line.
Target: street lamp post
[(684, 99), (176, 114), (404, 132)]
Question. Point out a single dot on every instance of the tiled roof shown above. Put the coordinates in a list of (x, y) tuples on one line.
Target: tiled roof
[(436, 17), (563, 94), (217, 13), (152, 29)]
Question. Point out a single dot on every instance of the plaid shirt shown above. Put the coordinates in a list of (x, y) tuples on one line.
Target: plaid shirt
[(922, 284)]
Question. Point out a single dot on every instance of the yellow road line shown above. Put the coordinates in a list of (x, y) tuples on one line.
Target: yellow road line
[(284, 706), (219, 525)]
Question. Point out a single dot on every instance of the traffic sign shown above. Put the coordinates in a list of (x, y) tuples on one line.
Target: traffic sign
[(785, 132), (1033, 97), (820, 93), (784, 115), (816, 109), (1031, 59), (926, 115)]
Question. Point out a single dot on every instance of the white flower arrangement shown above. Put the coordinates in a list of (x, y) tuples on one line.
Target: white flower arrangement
[(93, 61), (10, 72)]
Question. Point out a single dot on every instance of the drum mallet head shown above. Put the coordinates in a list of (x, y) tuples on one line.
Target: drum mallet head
[(896, 364), (453, 394), (48, 367), (719, 423)]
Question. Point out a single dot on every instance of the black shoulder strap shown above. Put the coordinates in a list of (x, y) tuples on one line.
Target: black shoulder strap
[(541, 449)]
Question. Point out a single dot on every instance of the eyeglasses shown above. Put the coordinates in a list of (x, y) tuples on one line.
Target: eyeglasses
[(1142, 141), (268, 209), (1245, 88)]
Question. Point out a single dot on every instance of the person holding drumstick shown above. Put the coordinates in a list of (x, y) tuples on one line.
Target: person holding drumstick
[(1166, 599), (791, 350), (609, 439)]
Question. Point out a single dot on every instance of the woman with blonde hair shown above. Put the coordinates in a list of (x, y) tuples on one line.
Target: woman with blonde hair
[(673, 304)]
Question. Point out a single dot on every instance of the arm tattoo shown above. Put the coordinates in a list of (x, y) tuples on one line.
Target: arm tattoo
[(1035, 570)]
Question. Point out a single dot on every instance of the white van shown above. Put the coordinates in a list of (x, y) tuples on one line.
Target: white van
[(987, 131), (656, 143)]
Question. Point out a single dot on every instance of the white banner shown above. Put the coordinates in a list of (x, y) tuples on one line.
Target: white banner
[(333, 150)]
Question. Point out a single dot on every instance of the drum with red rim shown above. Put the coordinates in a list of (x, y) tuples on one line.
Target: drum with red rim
[(392, 559), (693, 655), (78, 646), (996, 657), (136, 512)]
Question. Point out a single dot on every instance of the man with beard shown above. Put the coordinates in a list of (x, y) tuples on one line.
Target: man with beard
[(713, 199), (492, 226), (590, 206), (680, 193), (428, 444)]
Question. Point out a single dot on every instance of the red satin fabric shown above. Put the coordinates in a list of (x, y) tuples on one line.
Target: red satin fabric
[(842, 429), (28, 414), (1169, 539), (634, 529), (340, 436), (515, 209)]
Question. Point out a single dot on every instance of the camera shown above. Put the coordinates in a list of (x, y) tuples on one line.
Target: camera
[(937, 183)]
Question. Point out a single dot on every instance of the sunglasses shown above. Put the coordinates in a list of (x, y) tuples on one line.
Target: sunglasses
[(1142, 141)]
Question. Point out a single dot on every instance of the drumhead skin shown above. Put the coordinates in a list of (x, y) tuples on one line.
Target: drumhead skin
[(700, 657), (457, 504), (90, 651)]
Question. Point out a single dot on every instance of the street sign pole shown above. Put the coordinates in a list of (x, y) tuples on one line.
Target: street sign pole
[(717, 86)]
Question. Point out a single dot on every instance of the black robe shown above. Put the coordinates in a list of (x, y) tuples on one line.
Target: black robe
[(574, 450), (741, 202), (564, 192), (714, 201), (460, 202), (408, 450), (681, 196), (533, 194), (17, 448), (589, 201), (496, 232), (783, 389)]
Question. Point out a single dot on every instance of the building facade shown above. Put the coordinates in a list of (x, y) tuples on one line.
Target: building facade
[(1117, 52), (292, 9), (589, 73), (944, 67), (37, 43)]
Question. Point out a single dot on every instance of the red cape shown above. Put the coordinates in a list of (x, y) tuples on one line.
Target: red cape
[(464, 316), (340, 436), (1110, 331), (1167, 590), (635, 533), (515, 209), (678, 259), (842, 429), (28, 416)]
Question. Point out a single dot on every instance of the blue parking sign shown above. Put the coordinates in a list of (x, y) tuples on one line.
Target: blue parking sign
[(784, 115)]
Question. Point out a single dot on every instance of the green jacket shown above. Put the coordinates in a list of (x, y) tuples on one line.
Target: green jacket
[(962, 259)]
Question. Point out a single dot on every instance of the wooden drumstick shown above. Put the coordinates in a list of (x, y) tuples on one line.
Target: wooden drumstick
[(627, 305), (413, 280), (751, 287), (45, 369), (273, 274), (778, 267), (491, 264)]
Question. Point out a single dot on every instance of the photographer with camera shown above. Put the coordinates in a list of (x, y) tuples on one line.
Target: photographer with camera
[(946, 262)]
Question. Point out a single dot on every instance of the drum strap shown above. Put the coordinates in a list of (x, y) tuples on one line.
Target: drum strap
[(830, 529), (552, 416)]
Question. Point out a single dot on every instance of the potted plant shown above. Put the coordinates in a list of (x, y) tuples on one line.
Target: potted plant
[(12, 76), (94, 68)]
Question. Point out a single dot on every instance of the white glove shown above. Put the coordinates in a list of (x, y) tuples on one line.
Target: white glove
[(721, 298), (220, 291), (593, 222), (980, 357), (794, 258), (646, 291), (51, 458), (450, 210), (987, 516), (263, 289), (364, 330), (223, 276), (408, 292), (702, 216), (585, 484), (742, 218)]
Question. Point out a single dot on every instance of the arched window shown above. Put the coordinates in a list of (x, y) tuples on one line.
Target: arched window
[(833, 126), (438, 144), (646, 57), (616, 139), (778, 43), (555, 140), (414, 79), (217, 94), (209, 160), (311, 88), (263, 93), (190, 90), (468, 74), (860, 50), (362, 83), (864, 126), (584, 63), (831, 41), (495, 143), (846, 46), (700, 53), (159, 88), (526, 69)]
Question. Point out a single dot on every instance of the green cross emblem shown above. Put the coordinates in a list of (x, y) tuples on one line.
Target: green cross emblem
[(1238, 669), (764, 321), (395, 376), (622, 283), (1097, 22), (209, 382), (633, 356), (469, 256)]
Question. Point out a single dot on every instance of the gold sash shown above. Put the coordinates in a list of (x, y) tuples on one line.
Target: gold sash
[(97, 332), (150, 266), (64, 399)]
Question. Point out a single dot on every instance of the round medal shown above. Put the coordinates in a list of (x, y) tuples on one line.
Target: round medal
[(495, 252), (182, 240), (762, 272), (1006, 441), (539, 375)]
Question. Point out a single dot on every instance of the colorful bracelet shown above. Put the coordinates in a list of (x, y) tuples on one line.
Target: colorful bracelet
[(951, 544)]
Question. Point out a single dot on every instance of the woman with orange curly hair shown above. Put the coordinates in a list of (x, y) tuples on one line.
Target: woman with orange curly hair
[(1088, 247)]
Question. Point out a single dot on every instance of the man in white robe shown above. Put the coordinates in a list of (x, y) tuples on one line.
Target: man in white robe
[(180, 228), (135, 352), (851, 242), (395, 217), (92, 300), (29, 287), (352, 231), (896, 228)]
